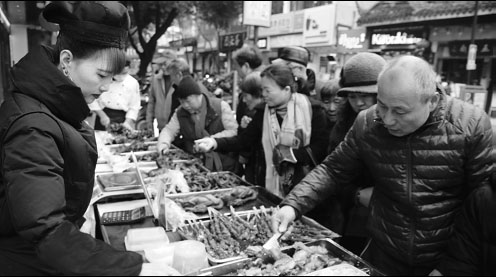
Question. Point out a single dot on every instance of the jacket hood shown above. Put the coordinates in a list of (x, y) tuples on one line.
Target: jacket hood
[(37, 76)]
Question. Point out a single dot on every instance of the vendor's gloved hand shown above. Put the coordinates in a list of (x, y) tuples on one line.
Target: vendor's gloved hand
[(128, 124), (105, 121), (205, 145), (163, 148), (282, 219), (158, 269)]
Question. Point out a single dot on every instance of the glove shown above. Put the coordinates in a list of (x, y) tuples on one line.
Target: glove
[(128, 125), (105, 121), (163, 148), (205, 145)]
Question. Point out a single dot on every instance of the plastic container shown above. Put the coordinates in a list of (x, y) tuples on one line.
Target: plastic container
[(189, 256), (139, 239)]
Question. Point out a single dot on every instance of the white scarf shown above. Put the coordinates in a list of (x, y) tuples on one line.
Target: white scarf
[(298, 117)]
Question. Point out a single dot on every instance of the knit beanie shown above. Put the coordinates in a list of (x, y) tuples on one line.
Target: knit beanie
[(360, 74), (187, 86)]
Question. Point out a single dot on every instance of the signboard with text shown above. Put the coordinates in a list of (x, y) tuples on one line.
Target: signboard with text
[(257, 13), (351, 40), (318, 26), (231, 42), (401, 36), (283, 23)]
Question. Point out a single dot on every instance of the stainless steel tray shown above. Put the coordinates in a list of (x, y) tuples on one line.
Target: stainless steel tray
[(264, 198), (248, 213), (334, 249)]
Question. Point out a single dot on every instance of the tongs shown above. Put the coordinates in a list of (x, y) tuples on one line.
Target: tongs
[(271, 249)]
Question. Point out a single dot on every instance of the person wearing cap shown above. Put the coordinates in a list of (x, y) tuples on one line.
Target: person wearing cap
[(297, 58), (200, 116), (160, 86), (120, 103), (424, 150), (291, 128), (48, 152)]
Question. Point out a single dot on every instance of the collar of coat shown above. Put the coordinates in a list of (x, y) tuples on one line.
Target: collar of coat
[(211, 113), (37, 76)]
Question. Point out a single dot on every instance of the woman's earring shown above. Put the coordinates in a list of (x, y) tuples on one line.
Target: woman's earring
[(65, 71)]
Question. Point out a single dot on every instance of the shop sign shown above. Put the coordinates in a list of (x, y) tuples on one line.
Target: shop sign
[(397, 37), (351, 40), (283, 23), (472, 52), (461, 48), (318, 26), (257, 13), (283, 41), (262, 43), (231, 42)]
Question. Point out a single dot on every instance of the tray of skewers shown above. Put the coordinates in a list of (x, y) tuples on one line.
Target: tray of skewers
[(321, 257), (232, 236)]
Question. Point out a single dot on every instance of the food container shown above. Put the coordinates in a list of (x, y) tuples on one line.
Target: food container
[(189, 257), (118, 181), (139, 239), (334, 249)]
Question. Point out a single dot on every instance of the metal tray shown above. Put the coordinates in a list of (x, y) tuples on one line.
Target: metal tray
[(334, 249), (244, 214), (118, 181), (264, 198)]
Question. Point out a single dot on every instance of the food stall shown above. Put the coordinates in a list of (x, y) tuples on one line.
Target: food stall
[(227, 215)]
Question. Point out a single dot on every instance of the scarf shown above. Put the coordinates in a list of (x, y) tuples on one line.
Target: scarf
[(298, 117)]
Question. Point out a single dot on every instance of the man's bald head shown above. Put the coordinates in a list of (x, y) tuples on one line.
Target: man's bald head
[(413, 70)]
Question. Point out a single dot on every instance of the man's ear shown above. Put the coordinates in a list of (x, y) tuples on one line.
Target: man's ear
[(66, 58), (433, 102)]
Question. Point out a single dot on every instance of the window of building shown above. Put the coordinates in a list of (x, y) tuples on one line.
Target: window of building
[(277, 7)]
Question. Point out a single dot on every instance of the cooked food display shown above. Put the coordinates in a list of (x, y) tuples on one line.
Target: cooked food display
[(200, 204), (150, 157), (306, 259), (233, 236)]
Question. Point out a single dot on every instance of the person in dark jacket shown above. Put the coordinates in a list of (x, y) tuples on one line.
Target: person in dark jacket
[(48, 152), (358, 81), (472, 248), (197, 117), (253, 160), (291, 129), (425, 152)]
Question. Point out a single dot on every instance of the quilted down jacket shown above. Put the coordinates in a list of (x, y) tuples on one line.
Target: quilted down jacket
[(420, 179), (47, 163)]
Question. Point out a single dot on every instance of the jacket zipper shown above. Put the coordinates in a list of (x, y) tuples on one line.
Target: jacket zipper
[(409, 187)]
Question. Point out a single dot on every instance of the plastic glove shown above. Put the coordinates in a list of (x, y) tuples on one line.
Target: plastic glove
[(158, 269), (163, 148), (105, 121), (282, 219), (128, 124), (205, 144), (245, 121)]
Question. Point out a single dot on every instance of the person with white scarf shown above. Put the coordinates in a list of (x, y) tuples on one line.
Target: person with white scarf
[(291, 128)]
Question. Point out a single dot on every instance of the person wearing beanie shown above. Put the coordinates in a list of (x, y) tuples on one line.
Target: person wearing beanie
[(199, 116), (49, 152), (425, 152)]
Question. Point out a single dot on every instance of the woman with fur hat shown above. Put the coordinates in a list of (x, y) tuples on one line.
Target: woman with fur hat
[(48, 152)]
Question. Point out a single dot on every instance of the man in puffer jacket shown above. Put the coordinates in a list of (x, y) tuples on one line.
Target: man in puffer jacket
[(426, 151)]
